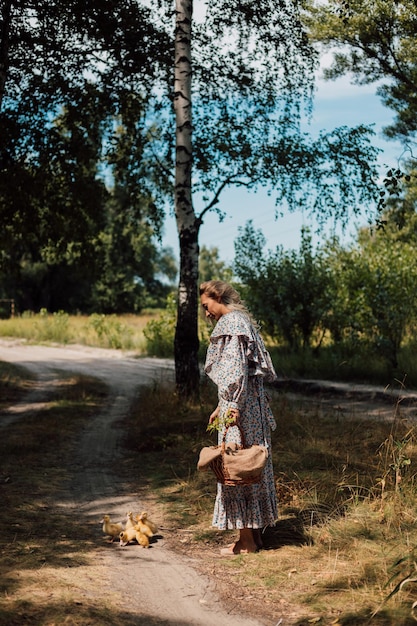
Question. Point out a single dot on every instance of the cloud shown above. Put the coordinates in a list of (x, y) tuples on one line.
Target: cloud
[(342, 88)]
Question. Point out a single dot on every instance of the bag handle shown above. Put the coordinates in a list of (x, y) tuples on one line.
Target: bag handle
[(242, 436)]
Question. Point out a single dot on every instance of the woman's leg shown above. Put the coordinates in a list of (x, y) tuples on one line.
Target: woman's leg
[(257, 536), (246, 543), (246, 540)]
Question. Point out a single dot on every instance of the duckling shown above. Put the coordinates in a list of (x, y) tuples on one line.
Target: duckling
[(110, 529), (127, 536), (145, 519), (130, 523), (143, 528), (142, 539)]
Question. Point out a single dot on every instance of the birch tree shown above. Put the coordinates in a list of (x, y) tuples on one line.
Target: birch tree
[(243, 79), (186, 335)]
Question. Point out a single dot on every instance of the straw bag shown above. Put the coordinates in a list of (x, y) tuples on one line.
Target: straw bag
[(234, 464)]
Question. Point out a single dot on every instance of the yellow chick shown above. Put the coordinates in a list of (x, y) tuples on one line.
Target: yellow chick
[(130, 523), (145, 519), (127, 536), (110, 529), (142, 539), (143, 528)]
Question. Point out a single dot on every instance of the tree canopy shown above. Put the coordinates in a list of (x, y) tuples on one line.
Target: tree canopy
[(91, 156), (374, 42), (73, 131), (244, 78)]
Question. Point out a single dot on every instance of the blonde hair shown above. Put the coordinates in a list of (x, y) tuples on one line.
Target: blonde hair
[(225, 294)]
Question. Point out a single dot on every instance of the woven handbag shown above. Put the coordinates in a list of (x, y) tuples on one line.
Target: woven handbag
[(234, 464)]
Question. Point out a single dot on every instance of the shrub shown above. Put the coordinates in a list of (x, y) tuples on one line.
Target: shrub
[(110, 331), (160, 333), (53, 327)]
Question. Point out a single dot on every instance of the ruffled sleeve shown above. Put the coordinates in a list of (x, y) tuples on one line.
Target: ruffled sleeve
[(236, 351)]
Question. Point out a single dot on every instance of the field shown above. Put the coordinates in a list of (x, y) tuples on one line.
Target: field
[(344, 547), (106, 331)]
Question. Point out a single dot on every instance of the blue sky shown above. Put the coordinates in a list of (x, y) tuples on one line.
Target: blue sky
[(337, 103)]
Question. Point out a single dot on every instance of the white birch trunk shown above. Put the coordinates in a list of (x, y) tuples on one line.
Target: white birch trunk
[(186, 335)]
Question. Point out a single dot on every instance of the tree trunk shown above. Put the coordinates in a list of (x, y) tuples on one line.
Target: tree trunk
[(188, 225), (6, 17)]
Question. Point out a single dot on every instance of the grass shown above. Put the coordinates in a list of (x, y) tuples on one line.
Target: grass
[(343, 550), (348, 513), (346, 364), (104, 331), (356, 363)]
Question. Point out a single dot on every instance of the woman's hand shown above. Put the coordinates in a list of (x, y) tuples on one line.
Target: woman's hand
[(214, 416), (233, 416)]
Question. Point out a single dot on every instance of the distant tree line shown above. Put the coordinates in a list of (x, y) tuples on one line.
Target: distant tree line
[(79, 211), (358, 299), (356, 296)]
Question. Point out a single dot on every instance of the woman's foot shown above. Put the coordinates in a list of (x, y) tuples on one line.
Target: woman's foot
[(235, 548), (231, 550), (244, 545)]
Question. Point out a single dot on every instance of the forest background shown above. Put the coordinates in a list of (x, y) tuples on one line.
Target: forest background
[(87, 154)]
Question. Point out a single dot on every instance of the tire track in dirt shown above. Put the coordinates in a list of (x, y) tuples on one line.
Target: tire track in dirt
[(164, 589)]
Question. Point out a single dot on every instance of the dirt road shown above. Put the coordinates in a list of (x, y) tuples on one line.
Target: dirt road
[(175, 593)]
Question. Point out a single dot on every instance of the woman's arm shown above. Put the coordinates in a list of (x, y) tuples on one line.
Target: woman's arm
[(233, 375)]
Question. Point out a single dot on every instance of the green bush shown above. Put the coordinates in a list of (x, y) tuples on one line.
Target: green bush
[(111, 332), (53, 327), (160, 333)]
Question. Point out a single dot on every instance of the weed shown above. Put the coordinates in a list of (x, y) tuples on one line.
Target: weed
[(111, 332), (159, 333), (53, 327), (120, 332)]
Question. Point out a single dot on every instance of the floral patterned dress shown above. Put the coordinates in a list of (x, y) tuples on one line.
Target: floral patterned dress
[(238, 363)]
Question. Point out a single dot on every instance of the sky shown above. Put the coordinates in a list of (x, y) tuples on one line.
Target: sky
[(336, 103)]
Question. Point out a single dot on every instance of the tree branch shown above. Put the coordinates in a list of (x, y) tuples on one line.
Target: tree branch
[(231, 180)]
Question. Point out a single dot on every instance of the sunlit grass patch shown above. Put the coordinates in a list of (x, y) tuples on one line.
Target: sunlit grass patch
[(104, 331)]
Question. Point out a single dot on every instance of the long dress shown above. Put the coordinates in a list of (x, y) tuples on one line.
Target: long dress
[(238, 363)]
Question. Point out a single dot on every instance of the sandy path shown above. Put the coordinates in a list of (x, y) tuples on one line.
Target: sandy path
[(175, 594)]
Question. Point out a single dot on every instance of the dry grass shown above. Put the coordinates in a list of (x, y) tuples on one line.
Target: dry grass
[(347, 510), (345, 539), (104, 331), (128, 327)]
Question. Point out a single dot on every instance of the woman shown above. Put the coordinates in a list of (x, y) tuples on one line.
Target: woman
[(238, 363)]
